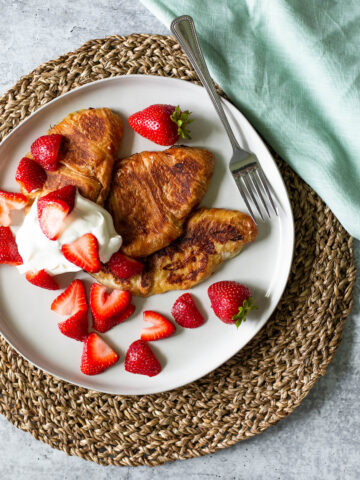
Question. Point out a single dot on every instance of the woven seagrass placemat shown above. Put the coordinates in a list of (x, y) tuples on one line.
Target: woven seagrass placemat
[(260, 385)]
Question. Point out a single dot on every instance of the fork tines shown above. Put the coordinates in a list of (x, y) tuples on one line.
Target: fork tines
[(253, 187)]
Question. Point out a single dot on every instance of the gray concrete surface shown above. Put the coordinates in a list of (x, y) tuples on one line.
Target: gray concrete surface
[(320, 440)]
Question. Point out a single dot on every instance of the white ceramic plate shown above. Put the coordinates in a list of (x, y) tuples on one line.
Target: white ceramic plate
[(26, 320)]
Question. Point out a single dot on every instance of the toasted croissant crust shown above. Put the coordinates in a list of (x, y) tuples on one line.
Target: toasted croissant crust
[(88, 152), (153, 193), (211, 236)]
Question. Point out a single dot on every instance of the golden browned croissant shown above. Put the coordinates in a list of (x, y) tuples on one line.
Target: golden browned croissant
[(88, 152), (153, 193), (211, 236)]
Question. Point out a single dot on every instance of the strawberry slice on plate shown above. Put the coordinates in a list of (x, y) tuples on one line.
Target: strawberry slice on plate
[(186, 313), (105, 325), (10, 201), (45, 150), (72, 300), (53, 208), (105, 305), (161, 327), (123, 266), (76, 326), (30, 175), (84, 253), (140, 359), (42, 279), (9, 253), (97, 355)]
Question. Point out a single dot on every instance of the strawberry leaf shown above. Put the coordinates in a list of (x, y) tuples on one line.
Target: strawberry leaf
[(247, 305), (182, 120)]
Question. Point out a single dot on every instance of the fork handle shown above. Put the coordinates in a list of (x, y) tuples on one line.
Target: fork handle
[(184, 30)]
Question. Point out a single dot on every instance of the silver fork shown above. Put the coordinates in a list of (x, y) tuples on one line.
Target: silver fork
[(244, 166)]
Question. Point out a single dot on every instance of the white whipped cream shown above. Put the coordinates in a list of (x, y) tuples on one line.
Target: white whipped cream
[(38, 252)]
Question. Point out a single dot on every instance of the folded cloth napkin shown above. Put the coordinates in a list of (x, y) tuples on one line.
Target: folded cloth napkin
[(293, 68)]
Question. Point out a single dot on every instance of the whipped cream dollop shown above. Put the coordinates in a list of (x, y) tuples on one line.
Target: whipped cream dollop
[(38, 252)]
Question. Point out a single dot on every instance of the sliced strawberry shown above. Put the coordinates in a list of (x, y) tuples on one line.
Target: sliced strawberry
[(161, 327), (186, 313), (10, 201), (43, 279), (51, 217), (30, 175), (53, 208), (105, 325), (9, 253), (105, 305), (84, 253), (140, 359), (97, 355), (45, 150), (72, 300), (76, 326), (124, 267), (65, 194)]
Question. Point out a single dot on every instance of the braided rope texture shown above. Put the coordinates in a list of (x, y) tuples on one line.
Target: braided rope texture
[(263, 383)]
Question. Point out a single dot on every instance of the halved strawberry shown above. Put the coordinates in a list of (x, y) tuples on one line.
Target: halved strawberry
[(105, 325), (186, 313), (84, 253), (123, 266), (97, 355), (53, 208), (105, 305), (161, 327), (30, 175), (43, 279), (140, 359), (72, 300), (45, 150), (10, 201), (76, 326), (9, 253)]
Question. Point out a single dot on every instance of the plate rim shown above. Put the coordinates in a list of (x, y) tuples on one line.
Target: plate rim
[(289, 212)]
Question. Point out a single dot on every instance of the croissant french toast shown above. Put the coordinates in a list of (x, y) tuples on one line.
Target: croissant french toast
[(211, 236), (87, 155), (153, 193)]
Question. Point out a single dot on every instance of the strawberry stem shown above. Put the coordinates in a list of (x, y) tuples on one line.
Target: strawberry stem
[(243, 311), (182, 120)]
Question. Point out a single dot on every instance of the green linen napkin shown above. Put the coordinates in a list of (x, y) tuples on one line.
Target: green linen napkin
[(293, 68)]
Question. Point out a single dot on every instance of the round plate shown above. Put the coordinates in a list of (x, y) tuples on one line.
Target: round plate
[(26, 320)]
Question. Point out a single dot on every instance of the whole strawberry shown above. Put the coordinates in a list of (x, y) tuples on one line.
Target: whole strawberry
[(162, 124), (231, 301), (45, 150)]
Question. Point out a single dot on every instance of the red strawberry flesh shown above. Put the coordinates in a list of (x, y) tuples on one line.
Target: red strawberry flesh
[(186, 313), (30, 175), (51, 217), (76, 326), (83, 252), (72, 300), (53, 208), (97, 355), (140, 359), (45, 151), (123, 266), (10, 201), (161, 327), (103, 326), (42, 279), (9, 253), (105, 305)]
